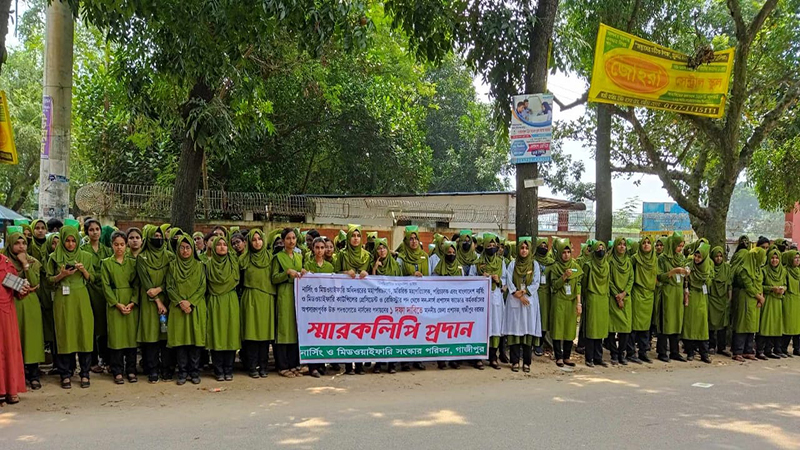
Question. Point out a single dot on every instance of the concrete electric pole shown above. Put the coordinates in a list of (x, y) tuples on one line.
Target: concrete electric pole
[(56, 112)]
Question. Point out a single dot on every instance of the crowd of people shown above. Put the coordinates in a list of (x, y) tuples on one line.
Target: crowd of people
[(167, 304)]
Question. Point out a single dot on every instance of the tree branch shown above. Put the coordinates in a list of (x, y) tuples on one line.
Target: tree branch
[(580, 101), (768, 124), (632, 18), (706, 126), (736, 14), (759, 19), (650, 170), (659, 166)]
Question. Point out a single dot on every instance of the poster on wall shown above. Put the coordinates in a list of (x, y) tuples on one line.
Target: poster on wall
[(531, 130)]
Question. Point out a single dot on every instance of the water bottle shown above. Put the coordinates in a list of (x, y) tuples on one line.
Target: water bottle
[(162, 319)]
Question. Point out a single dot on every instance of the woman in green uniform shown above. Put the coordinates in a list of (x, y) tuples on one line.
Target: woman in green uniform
[(121, 289), (99, 252), (742, 247), (29, 309), (135, 241), (695, 316), (70, 271), (749, 280), (489, 264), (413, 262), (645, 272), (287, 265), (36, 246), (770, 330), (465, 253), (224, 318), (595, 290), (353, 261), (544, 259), (564, 279), (318, 264), (671, 273), (447, 267), (188, 316), (46, 298), (791, 303), (257, 304), (620, 310), (151, 266), (719, 299), (384, 265)]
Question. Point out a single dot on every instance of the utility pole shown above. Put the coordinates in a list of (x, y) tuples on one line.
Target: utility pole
[(527, 220), (56, 112)]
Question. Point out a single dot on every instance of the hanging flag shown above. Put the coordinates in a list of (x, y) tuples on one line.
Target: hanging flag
[(8, 151), (635, 72)]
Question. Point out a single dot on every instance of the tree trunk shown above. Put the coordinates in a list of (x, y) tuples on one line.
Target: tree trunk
[(5, 14), (603, 194), (527, 218), (187, 180)]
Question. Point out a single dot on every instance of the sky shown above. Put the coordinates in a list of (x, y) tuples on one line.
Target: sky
[(567, 89)]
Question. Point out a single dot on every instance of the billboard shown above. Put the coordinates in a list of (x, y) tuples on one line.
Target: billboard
[(531, 128), (664, 218)]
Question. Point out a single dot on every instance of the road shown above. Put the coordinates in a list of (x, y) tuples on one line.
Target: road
[(755, 405)]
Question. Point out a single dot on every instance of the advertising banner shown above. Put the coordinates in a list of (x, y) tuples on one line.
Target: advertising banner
[(531, 130)]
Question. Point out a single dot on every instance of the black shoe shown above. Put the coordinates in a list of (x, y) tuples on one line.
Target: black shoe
[(167, 377), (195, 379), (181, 381), (712, 351), (405, 367), (706, 359), (580, 350), (538, 351), (634, 360), (677, 357), (359, 371), (85, 384), (504, 358), (783, 355), (645, 358), (624, 361), (152, 378), (254, 374), (262, 373), (724, 353), (663, 358), (773, 356), (419, 366), (601, 363), (589, 364), (442, 365), (690, 357), (454, 364), (220, 377), (229, 377), (377, 369), (762, 356)]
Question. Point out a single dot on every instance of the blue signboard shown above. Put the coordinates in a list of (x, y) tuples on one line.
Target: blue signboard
[(664, 217)]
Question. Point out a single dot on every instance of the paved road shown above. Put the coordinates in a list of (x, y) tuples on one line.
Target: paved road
[(750, 406)]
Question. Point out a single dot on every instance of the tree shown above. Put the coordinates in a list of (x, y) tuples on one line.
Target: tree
[(5, 15), (196, 62), (747, 217), (22, 81)]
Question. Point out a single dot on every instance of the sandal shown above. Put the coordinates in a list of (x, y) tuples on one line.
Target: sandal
[(286, 373), (119, 380), (85, 383), (526, 368), (494, 365), (36, 385), (560, 363), (97, 369), (479, 365), (132, 378), (569, 362), (515, 367), (12, 399), (66, 383)]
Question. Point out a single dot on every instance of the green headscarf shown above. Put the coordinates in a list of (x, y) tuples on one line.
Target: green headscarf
[(523, 267), (597, 270), (621, 264), (788, 262), (48, 245), (389, 265), (61, 256), (222, 271), (774, 276), (437, 241), (340, 237), (722, 274), (154, 258), (663, 241), (751, 265), (258, 258), (490, 265), (187, 273), (105, 235), (406, 253), (672, 257), (14, 234), (351, 257), (545, 260), (559, 266), (445, 269), (632, 246), (700, 273), (272, 236), (644, 266), (465, 258)]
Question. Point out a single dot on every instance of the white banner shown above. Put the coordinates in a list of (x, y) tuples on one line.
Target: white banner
[(340, 319)]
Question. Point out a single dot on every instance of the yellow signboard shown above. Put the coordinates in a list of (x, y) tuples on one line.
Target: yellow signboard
[(8, 151), (634, 72)]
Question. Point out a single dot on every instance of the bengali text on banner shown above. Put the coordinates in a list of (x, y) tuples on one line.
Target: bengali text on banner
[(341, 319), (635, 72)]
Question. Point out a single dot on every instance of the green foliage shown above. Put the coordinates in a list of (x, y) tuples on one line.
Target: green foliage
[(746, 216)]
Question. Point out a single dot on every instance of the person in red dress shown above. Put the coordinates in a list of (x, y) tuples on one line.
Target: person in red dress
[(12, 367)]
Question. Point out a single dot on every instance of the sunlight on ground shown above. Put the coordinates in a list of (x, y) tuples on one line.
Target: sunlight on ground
[(443, 417), (30, 439), (770, 433), (650, 391), (378, 415), (298, 441), (325, 390), (312, 422), (777, 408), (7, 419), (591, 379), (567, 400)]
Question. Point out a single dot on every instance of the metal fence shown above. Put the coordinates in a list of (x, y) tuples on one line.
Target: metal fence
[(125, 200)]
